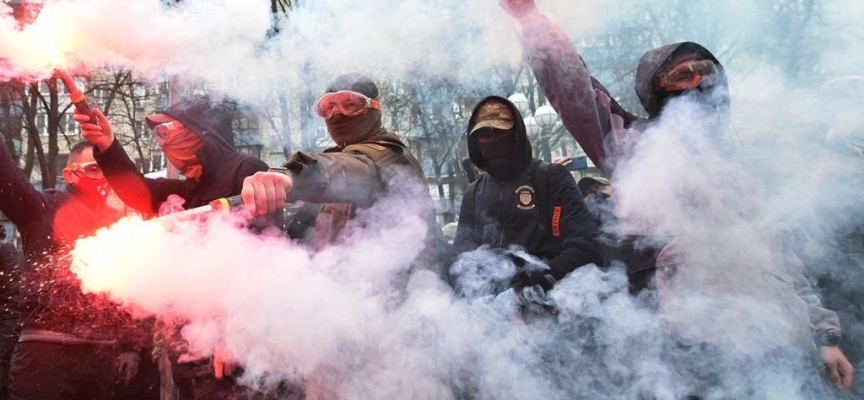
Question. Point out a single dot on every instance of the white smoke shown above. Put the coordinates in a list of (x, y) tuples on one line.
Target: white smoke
[(334, 317)]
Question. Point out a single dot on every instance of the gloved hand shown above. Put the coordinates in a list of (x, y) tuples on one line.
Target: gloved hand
[(127, 366), (100, 135), (524, 278), (222, 366)]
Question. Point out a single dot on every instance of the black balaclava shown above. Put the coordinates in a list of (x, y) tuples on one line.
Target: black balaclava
[(345, 130), (515, 142)]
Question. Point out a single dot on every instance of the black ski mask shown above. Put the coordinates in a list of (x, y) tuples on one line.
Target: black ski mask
[(496, 146)]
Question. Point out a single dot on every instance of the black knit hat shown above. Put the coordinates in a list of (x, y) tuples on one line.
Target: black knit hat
[(354, 82)]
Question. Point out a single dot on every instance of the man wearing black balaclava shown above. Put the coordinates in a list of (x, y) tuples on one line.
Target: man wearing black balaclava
[(609, 135), (509, 206)]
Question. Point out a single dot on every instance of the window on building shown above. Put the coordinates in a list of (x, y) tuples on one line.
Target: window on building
[(69, 125), (42, 123), (251, 150), (60, 163)]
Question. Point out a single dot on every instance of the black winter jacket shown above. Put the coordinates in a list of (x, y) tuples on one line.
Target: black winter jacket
[(506, 209), (50, 222), (223, 168)]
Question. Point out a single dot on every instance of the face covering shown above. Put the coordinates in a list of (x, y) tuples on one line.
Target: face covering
[(346, 131), (93, 188), (714, 103), (497, 150), (180, 148)]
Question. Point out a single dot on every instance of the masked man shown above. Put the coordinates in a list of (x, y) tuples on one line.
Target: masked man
[(70, 342), (522, 201), (682, 72), (367, 163), (196, 136)]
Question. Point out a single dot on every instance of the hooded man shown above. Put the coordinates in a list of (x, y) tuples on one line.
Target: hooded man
[(609, 134), (196, 136), (367, 163), (69, 341), (522, 201)]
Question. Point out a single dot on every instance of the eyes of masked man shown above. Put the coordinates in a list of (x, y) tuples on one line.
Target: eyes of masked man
[(496, 146)]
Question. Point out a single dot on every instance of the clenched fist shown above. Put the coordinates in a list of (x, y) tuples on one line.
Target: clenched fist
[(266, 192)]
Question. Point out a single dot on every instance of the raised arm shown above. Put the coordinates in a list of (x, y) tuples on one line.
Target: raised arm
[(19, 200), (134, 189), (583, 104)]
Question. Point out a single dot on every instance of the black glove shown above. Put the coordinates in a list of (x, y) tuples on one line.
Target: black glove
[(524, 278), (127, 366)]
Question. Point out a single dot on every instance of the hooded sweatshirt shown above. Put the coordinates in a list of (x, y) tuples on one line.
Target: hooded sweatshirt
[(608, 133), (657, 61), (50, 221), (503, 207), (223, 168)]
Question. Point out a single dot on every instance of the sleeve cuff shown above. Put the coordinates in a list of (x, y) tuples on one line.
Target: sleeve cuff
[(827, 340), (112, 149)]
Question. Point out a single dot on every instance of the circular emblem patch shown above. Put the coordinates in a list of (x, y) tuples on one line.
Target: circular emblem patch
[(525, 197)]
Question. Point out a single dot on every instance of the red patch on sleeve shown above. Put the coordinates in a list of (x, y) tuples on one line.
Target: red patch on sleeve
[(556, 222)]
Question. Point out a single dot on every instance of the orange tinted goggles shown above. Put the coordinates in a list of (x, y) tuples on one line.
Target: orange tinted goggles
[(345, 102), (689, 74)]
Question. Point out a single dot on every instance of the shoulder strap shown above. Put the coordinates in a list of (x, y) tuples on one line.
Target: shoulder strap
[(551, 212), (541, 185), (385, 154), (468, 197)]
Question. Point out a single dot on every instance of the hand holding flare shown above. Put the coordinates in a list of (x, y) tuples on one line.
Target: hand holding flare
[(99, 134), (94, 126), (266, 192), (75, 94), (222, 366)]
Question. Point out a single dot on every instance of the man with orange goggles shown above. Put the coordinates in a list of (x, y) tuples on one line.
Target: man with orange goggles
[(349, 177), (682, 73)]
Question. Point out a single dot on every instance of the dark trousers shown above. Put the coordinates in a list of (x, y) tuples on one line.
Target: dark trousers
[(54, 371), (7, 345), (210, 388)]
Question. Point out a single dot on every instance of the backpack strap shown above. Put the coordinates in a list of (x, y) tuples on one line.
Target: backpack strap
[(551, 212), (468, 199)]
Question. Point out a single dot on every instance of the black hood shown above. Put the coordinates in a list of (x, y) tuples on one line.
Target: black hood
[(654, 62), (210, 119), (522, 146)]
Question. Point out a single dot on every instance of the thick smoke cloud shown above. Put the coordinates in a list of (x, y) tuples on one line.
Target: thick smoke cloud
[(336, 318)]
